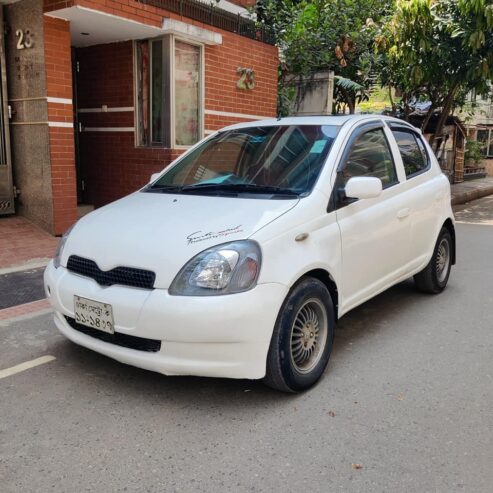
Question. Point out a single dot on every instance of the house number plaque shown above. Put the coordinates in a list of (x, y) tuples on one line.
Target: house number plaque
[(247, 78), (24, 39)]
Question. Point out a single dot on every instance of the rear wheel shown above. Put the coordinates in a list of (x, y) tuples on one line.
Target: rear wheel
[(302, 339), (434, 277)]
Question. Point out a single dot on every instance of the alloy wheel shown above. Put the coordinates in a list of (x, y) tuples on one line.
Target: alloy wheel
[(308, 335)]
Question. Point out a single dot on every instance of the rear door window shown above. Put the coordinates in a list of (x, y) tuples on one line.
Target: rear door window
[(413, 151)]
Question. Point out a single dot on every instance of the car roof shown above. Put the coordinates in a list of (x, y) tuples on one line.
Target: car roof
[(333, 120)]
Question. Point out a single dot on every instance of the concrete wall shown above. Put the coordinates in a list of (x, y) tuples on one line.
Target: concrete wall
[(26, 80), (314, 96)]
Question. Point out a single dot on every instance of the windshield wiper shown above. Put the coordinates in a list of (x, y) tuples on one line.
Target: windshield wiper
[(165, 188), (239, 187)]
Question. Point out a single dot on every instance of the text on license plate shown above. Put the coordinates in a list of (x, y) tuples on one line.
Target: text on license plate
[(94, 314)]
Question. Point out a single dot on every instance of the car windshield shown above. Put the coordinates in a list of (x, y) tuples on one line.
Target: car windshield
[(280, 161)]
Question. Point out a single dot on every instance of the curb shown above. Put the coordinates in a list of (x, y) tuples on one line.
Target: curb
[(31, 264), (478, 193), (26, 310)]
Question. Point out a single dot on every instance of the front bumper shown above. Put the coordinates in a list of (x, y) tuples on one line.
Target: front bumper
[(216, 336)]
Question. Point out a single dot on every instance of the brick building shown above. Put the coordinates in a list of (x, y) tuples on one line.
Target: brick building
[(103, 93)]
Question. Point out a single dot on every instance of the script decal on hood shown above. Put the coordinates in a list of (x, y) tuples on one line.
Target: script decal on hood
[(198, 236)]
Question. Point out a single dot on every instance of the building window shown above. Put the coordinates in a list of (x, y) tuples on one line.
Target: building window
[(169, 99), (142, 82), (485, 136), (187, 93)]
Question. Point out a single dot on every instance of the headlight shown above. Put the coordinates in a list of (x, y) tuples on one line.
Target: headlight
[(224, 269), (60, 247)]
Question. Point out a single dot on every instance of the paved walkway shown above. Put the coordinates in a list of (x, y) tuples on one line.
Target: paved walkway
[(471, 190), (23, 244)]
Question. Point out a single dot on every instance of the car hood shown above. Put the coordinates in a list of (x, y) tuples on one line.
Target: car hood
[(161, 232)]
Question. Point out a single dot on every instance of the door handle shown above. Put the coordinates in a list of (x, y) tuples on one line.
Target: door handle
[(403, 213)]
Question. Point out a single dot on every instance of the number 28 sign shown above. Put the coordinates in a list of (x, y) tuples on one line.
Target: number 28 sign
[(247, 78)]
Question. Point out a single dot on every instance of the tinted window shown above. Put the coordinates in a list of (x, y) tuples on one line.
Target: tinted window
[(413, 151), (370, 156)]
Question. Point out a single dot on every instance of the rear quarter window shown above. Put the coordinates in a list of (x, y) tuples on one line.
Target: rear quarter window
[(413, 151)]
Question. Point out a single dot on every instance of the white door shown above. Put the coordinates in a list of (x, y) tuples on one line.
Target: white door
[(375, 233), (424, 191)]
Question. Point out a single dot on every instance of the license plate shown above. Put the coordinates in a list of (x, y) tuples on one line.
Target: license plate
[(94, 314)]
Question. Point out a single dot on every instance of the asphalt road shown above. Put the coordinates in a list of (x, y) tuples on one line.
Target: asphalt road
[(406, 404)]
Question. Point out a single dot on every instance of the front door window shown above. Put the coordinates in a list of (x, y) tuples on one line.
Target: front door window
[(370, 156)]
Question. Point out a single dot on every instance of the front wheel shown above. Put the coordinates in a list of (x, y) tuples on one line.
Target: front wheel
[(302, 339), (434, 277)]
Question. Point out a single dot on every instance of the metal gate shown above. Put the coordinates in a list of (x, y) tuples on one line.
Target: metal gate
[(6, 184)]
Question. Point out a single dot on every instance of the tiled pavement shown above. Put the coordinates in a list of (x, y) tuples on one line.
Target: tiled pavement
[(22, 242), (22, 246)]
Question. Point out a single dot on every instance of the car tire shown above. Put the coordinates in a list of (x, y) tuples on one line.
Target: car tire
[(302, 339), (434, 277)]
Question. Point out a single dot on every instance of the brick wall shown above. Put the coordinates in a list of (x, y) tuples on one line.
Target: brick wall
[(58, 67), (221, 92), (111, 164), (129, 9)]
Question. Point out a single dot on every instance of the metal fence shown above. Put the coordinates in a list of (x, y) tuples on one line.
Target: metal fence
[(208, 13)]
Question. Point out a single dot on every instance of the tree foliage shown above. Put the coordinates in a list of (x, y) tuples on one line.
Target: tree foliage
[(429, 50), (437, 50), (322, 35)]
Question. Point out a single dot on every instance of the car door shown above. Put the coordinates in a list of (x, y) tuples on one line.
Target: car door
[(374, 232), (423, 192)]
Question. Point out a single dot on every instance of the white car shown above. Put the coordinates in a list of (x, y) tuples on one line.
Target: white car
[(239, 258)]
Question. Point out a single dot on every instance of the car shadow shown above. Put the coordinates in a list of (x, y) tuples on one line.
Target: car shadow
[(388, 306), (114, 378)]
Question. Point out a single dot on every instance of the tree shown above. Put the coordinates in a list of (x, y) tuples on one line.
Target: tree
[(322, 35), (438, 50)]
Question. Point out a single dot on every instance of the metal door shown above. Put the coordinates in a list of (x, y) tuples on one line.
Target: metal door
[(6, 183)]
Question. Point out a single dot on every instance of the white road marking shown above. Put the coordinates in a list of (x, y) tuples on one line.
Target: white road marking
[(25, 366), (477, 223)]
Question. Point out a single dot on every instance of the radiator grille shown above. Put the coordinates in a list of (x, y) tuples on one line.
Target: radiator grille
[(125, 276)]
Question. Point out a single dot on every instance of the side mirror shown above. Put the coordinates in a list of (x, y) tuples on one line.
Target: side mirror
[(154, 177), (363, 187)]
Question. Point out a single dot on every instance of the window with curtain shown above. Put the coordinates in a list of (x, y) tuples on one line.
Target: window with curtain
[(169, 85), (187, 93)]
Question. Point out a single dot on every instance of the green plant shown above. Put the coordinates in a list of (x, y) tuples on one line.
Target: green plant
[(348, 93), (475, 151), (438, 50), (326, 35)]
